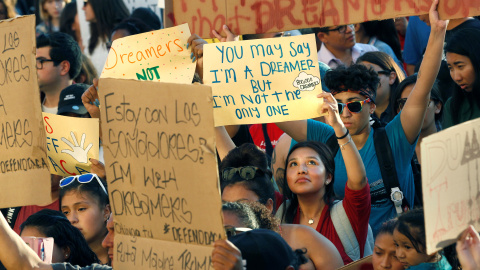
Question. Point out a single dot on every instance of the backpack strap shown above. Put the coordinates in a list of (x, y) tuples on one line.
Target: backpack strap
[(386, 162), (268, 143), (332, 143), (347, 235)]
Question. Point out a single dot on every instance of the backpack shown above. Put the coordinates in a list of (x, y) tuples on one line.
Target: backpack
[(344, 230), (386, 162)]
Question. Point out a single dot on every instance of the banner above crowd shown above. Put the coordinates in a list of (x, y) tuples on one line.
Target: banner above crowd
[(264, 16)]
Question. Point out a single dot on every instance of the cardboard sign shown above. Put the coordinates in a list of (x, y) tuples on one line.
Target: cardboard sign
[(24, 175), (451, 183), (262, 16), (362, 264), (154, 56), (263, 81), (161, 165), (71, 142)]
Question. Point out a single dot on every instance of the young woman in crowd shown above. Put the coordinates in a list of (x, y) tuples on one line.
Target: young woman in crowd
[(84, 201), (390, 75), (50, 11), (463, 59), (69, 244), (410, 243), (245, 178), (69, 23), (384, 253)]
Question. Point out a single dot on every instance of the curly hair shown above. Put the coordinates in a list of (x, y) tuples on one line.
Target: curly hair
[(356, 78)]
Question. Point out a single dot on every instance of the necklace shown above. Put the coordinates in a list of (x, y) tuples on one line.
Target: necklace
[(310, 221)]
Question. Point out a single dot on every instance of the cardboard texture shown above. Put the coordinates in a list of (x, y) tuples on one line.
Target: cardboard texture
[(144, 253), (71, 142), (362, 264), (161, 165), (451, 183), (262, 16), (263, 80), (154, 56), (24, 174)]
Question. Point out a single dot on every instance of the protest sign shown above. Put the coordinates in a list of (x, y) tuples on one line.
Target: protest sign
[(160, 163), (24, 175), (451, 183), (71, 142), (264, 80), (262, 16), (154, 56)]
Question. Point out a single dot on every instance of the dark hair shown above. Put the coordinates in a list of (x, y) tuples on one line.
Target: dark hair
[(327, 158), (385, 31), (87, 72), (67, 19), (92, 188), (244, 214), (9, 11), (63, 48), (385, 62), (148, 17), (54, 224), (354, 77), (387, 227), (108, 13), (249, 155), (133, 26), (435, 95), (412, 225), (264, 217), (465, 42)]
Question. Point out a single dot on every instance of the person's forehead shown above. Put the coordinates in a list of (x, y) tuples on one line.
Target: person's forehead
[(347, 95), (43, 52), (371, 65)]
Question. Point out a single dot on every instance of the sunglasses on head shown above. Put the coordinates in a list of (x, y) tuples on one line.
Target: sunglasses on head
[(232, 231), (353, 106), (83, 179), (247, 172)]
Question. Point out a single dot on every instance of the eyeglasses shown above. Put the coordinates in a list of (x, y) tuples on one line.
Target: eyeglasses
[(232, 231), (247, 172), (40, 62), (83, 179), (353, 106), (341, 29), (401, 102)]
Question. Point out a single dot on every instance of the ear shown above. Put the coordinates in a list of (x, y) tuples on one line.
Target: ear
[(329, 179), (438, 107), (392, 78), (357, 27), (106, 212), (323, 37), (66, 253), (372, 107), (65, 68), (269, 205)]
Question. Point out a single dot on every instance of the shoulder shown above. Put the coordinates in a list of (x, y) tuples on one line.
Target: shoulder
[(365, 47)]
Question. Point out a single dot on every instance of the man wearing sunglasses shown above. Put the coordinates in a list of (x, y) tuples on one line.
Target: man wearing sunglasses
[(354, 91), (59, 60), (338, 45)]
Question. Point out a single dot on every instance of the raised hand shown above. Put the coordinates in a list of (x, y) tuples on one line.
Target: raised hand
[(78, 153)]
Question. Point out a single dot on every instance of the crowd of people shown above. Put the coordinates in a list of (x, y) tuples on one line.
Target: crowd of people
[(309, 194)]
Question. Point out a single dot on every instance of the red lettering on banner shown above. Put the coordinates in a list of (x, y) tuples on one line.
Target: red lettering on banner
[(274, 14), (331, 12), (398, 4), (423, 6), (236, 18), (355, 5), (374, 4), (205, 20), (313, 9), (184, 6), (61, 164), (215, 7), (452, 7)]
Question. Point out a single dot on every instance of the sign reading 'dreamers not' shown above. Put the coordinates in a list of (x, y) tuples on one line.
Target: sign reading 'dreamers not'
[(263, 80), (162, 172), (71, 142), (451, 183), (160, 56), (24, 175)]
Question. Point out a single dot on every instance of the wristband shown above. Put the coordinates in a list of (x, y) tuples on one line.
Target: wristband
[(346, 134)]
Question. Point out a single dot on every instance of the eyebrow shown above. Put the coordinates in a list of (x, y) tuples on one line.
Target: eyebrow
[(379, 247), (458, 62)]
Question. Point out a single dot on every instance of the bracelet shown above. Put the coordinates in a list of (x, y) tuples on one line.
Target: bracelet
[(346, 134), (342, 146)]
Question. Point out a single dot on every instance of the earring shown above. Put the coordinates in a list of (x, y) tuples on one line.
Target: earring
[(66, 255)]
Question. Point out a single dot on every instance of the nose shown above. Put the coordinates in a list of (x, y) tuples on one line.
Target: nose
[(386, 262), (302, 169), (350, 28), (400, 253), (346, 113), (108, 241), (73, 218), (456, 76)]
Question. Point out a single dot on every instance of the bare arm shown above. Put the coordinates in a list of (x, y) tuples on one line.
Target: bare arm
[(414, 110), (295, 129), (356, 174), (279, 157), (15, 254), (223, 141)]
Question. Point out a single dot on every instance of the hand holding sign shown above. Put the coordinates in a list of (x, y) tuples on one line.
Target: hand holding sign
[(468, 249), (78, 153)]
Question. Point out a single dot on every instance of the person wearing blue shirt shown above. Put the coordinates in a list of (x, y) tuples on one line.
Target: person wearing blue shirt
[(354, 88)]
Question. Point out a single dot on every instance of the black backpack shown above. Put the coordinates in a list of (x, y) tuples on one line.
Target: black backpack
[(386, 162)]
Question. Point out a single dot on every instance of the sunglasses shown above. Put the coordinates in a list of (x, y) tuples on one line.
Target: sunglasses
[(353, 106), (232, 231), (246, 173), (83, 179)]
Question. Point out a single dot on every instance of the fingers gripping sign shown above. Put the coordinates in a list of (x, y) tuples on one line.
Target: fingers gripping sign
[(78, 153)]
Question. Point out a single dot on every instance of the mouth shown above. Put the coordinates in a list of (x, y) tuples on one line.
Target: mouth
[(347, 125), (302, 180)]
